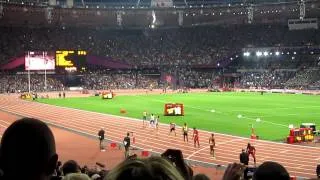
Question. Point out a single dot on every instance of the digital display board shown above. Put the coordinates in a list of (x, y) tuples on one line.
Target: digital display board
[(39, 60), (70, 58)]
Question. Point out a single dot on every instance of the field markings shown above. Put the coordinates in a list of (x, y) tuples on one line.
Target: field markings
[(95, 131), (164, 149), (122, 117), (209, 110), (135, 119)]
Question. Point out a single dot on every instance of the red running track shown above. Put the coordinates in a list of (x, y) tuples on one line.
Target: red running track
[(299, 160)]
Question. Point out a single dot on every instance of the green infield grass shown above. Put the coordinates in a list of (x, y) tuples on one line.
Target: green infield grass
[(229, 113)]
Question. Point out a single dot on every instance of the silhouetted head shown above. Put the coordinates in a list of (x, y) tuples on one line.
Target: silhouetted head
[(271, 170), (28, 150), (69, 167), (128, 134), (153, 168), (200, 177)]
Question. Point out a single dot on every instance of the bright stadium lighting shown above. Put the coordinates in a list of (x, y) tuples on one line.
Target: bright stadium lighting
[(265, 53), (246, 54), (258, 53), (218, 64), (294, 52), (277, 53)]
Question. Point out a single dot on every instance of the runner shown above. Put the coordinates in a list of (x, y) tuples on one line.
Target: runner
[(152, 118), (144, 117), (185, 132), (252, 150), (173, 128), (212, 143), (195, 137), (157, 122)]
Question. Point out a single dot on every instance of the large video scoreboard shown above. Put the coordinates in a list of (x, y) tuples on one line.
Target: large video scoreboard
[(39, 60), (67, 58)]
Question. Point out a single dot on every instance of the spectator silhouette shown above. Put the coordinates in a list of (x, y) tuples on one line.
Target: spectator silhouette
[(151, 168), (244, 157), (200, 177), (28, 151), (70, 166), (271, 170)]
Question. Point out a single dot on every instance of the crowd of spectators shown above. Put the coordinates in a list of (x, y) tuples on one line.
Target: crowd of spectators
[(20, 83), (304, 79), (101, 79), (266, 79), (177, 52), (38, 160), (154, 47)]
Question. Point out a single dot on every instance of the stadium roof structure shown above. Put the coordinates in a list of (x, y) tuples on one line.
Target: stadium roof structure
[(147, 3), (102, 16)]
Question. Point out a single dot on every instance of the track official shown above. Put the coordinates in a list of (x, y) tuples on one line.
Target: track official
[(126, 143), (101, 138)]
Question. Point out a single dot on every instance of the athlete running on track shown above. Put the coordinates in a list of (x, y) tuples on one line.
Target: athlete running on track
[(173, 128), (195, 137), (251, 150), (185, 132), (212, 143)]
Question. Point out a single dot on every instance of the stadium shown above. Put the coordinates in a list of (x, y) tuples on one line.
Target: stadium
[(159, 89)]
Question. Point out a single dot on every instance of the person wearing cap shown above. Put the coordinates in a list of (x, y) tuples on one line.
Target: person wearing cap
[(101, 138)]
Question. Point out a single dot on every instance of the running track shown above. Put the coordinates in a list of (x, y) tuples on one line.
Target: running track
[(299, 160)]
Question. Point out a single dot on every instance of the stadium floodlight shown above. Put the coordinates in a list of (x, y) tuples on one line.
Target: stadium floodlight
[(265, 53), (246, 54), (294, 52), (277, 53), (258, 53)]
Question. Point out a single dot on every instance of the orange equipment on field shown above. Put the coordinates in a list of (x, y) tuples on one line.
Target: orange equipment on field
[(107, 95), (300, 135), (171, 109)]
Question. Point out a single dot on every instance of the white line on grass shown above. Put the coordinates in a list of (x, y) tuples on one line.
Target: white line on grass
[(269, 122), (225, 142)]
